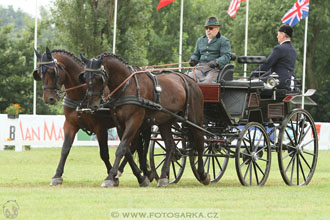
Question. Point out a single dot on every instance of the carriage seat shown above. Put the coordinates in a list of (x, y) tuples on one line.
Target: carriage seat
[(254, 84), (251, 59), (227, 72)]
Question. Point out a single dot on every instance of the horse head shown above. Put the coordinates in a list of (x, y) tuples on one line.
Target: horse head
[(95, 77), (48, 72)]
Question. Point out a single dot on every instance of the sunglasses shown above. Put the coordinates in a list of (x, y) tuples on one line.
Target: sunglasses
[(209, 28)]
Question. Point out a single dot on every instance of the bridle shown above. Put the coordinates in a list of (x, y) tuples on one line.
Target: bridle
[(42, 68), (90, 74)]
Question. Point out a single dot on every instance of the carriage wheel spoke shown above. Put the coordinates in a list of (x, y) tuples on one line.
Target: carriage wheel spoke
[(247, 146), (244, 162), (287, 155), (301, 129), (302, 171), (302, 156), (292, 169), (174, 170), (255, 171), (161, 145), (247, 169), (213, 167), (160, 163), (179, 164), (256, 146), (290, 139), (298, 169), (259, 168), (216, 159), (304, 145), (286, 170)]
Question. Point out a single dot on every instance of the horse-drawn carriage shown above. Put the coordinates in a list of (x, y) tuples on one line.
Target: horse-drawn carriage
[(247, 120), (241, 119)]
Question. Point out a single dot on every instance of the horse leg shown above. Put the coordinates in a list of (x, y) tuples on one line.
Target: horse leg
[(143, 180), (102, 137), (69, 134), (166, 133), (142, 146), (198, 141), (127, 134)]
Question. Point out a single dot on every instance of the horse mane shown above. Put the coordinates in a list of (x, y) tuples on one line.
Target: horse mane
[(69, 54), (108, 54)]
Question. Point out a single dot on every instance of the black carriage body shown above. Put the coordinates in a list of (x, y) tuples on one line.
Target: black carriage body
[(233, 103)]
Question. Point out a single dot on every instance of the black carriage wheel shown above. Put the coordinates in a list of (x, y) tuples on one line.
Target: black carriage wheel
[(215, 160), (253, 155), (157, 154), (297, 148)]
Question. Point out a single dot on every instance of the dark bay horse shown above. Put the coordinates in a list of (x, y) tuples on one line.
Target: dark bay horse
[(136, 98), (57, 68)]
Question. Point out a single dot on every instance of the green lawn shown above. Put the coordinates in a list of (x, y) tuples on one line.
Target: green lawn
[(25, 177)]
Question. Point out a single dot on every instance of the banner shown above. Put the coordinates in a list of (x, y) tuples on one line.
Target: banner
[(44, 131)]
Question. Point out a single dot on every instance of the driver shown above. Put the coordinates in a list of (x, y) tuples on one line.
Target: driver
[(211, 51)]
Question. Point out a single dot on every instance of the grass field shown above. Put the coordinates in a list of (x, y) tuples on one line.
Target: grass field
[(25, 177)]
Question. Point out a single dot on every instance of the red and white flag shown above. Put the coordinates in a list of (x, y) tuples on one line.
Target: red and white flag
[(163, 3), (233, 7)]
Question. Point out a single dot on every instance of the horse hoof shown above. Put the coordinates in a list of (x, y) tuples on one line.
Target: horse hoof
[(56, 181), (145, 182), (110, 183), (207, 180), (151, 176), (162, 182)]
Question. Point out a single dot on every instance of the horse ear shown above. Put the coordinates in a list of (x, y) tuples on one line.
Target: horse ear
[(36, 75), (81, 78), (49, 54), (100, 60), (84, 59), (37, 54)]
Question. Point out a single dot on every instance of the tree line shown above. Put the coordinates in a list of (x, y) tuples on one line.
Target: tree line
[(146, 37)]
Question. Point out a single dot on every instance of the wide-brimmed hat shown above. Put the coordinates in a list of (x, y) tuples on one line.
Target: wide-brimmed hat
[(211, 21), (285, 28)]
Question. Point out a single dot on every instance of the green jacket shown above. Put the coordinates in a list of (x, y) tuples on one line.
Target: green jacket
[(218, 49)]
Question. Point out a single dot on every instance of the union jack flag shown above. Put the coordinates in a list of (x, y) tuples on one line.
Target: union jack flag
[(233, 7), (299, 11)]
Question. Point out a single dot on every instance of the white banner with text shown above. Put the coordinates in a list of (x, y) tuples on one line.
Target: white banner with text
[(47, 131)]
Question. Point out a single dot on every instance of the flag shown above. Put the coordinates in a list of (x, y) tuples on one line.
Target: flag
[(233, 7), (163, 3), (299, 11)]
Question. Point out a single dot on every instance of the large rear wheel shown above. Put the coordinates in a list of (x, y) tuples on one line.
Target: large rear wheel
[(253, 155), (298, 148)]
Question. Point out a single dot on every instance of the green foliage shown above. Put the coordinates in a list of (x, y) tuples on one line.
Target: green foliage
[(148, 37)]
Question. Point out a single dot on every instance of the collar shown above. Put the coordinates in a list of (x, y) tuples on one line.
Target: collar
[(285, 42)]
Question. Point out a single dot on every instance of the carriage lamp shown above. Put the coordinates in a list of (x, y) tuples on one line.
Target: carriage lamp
[(272, 81)]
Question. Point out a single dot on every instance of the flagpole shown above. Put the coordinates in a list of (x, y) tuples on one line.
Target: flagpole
[(114, 28), (304, 64), (181, 30), (246, 34), (35, 59)]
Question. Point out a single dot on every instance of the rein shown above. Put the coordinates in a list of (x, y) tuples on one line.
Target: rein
[(72, 88), (143, 71)]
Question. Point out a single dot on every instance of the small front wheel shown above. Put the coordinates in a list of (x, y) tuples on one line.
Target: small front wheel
[(157, 154)]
